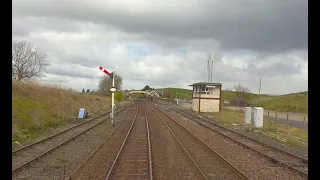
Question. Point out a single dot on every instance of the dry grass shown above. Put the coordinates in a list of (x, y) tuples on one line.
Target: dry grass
[(228, 117), (36, 108), (285, 134)]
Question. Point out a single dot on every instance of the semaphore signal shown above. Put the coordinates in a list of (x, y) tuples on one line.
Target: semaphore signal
[(106, 72), (112, 89)]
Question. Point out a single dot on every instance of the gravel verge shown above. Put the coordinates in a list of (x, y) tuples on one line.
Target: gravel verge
[(269, 141), (249, 162), (63, 160)]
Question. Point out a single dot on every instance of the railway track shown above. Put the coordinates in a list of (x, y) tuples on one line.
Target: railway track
[(278, 156), (169, 160), (82, 165), (133, 160), (208, 162), (24, 156)]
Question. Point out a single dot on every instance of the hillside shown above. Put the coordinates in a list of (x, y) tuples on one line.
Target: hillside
[(177, 92), (37, 108), (294, 102)]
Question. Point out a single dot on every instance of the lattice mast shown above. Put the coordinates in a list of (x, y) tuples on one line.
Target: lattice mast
[(210, 67)]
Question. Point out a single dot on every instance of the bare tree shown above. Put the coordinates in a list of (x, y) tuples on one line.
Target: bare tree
[(168, 93), (242, 92), (106, 83), (27, 60), (241, 89)]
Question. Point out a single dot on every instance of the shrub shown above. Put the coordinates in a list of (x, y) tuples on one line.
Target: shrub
[(117, 96)]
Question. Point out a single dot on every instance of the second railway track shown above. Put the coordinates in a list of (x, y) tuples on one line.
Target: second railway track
[(208, 162), (23, 157), (295, 163)]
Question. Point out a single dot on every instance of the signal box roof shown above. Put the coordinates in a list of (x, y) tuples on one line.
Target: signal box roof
[(206, 84)]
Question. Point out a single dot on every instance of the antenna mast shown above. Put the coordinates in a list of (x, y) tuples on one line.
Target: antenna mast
[(210, 67)]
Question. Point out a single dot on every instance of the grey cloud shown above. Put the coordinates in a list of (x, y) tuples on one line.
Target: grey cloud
[(178, 42), (272, 26), (69, 72), (24, 26), (276, 69), (80, 59)]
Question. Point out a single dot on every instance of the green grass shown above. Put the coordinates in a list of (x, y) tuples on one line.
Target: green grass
[(177, 92), (25, 111), (227, 117), (229, 95), (36, 109), (295, 102), (284, 134)]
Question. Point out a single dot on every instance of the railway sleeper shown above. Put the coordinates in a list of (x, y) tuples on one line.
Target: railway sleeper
[(134, 164), (130, 176), (298, 165), (133, 170)]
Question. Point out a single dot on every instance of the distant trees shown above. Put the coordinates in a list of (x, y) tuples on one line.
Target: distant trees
[(147, 87), (28, 61), (242, 92), (106, 83), (86, 91), (169, 93)]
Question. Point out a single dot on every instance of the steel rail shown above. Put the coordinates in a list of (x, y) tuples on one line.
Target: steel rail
[(17, 169), (125, 141), (236, 170), (284, 164), (66, 130), (149, 144), (98, 148)]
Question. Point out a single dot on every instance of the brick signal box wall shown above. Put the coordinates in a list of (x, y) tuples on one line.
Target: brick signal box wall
[(206, 97)]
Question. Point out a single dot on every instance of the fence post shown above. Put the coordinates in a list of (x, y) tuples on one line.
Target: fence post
[(287, 116), (268, 113), (276, 114)]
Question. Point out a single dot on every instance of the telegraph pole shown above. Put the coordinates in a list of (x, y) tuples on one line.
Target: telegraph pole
[(259, 86)]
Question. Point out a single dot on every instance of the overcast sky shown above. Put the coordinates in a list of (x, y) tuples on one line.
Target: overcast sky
[(166, 43)]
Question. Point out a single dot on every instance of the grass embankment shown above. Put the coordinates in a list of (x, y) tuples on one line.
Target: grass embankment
[(177, 92), (284, 134), (295, 102), (37, 108)]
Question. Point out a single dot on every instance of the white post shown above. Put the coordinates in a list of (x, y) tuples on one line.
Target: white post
[(112, 101)]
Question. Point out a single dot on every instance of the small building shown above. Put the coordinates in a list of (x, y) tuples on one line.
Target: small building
[(206, 97)]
